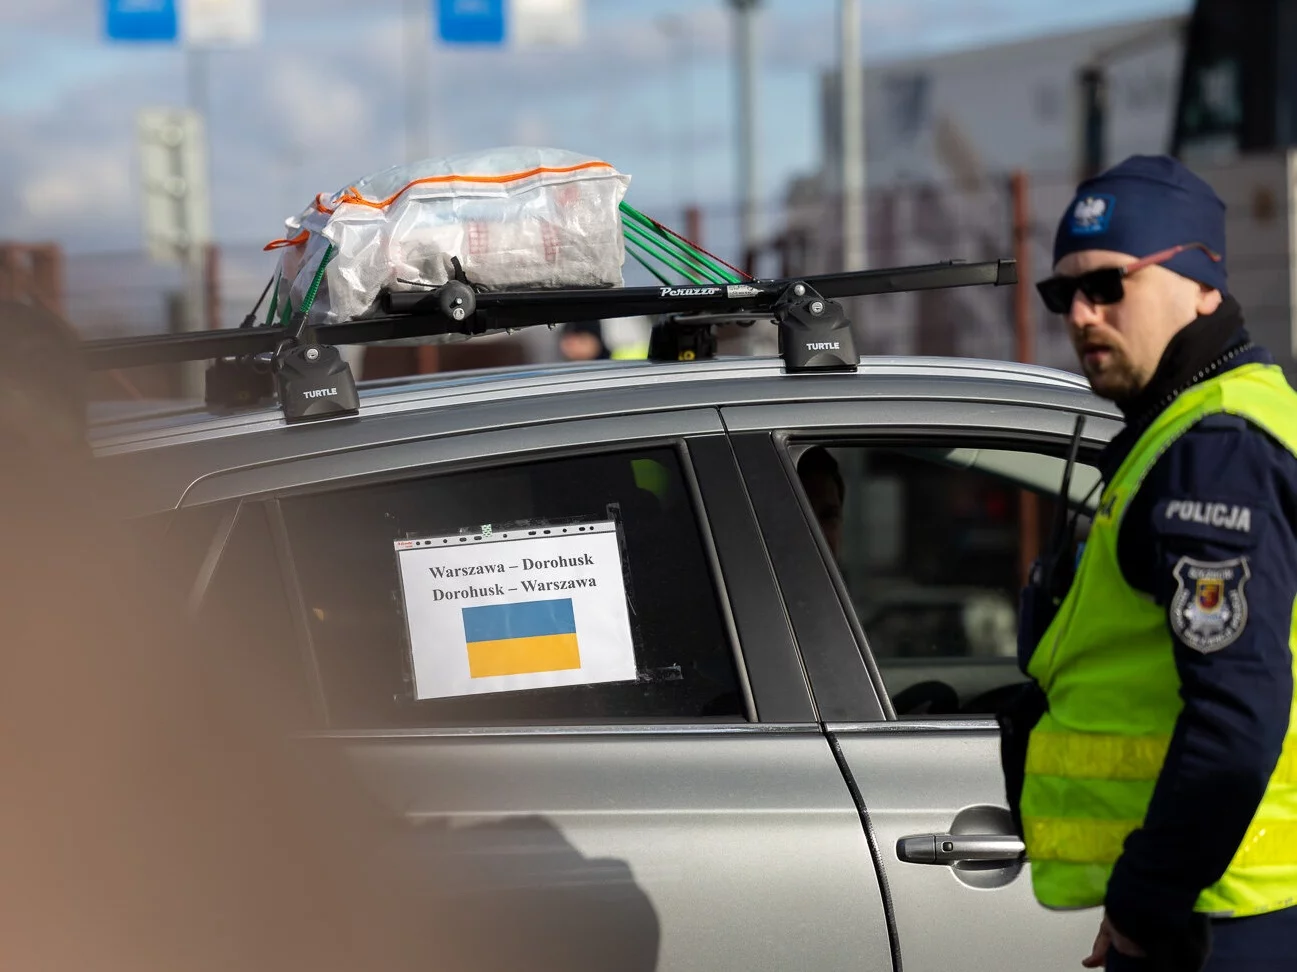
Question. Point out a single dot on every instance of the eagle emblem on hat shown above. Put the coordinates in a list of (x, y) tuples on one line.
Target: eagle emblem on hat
[(1092, 214)]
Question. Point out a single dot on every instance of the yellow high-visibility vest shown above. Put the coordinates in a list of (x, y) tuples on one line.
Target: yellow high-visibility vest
[(1107, 666)]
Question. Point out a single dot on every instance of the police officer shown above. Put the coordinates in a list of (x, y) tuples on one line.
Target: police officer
[(1159, 778)]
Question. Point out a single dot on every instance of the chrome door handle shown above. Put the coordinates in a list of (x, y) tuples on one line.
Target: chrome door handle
[(955, 848)]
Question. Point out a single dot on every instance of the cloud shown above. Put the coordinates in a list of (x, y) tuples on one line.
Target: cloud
[(315, 106), (324, 100), (75, 15), (90, 187), (529, 129), (69, 180)]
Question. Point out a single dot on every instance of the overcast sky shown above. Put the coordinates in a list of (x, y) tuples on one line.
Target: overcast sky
[(321, 101)]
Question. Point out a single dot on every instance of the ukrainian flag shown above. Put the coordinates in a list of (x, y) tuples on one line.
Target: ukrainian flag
[(521, 639)]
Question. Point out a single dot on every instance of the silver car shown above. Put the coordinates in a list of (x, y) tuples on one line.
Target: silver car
[(799, 769)]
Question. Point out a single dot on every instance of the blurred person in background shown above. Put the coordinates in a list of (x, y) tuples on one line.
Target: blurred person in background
[(583, 341)]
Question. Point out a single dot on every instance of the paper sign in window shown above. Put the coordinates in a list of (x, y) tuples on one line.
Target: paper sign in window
[(516, 610)]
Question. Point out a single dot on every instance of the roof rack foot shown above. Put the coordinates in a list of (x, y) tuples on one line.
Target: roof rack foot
[(315, 382), (814, 333)]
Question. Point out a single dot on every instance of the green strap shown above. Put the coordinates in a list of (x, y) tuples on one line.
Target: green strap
[(648, 266), (648, 244), (309, 300), (645, 230), (679, 244), (274, 299)]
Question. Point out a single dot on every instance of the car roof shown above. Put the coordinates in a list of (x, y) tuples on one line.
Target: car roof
[(167, 447), (156, 424)]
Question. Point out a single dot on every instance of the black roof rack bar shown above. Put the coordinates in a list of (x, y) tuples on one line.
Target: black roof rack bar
[(414, 315), (937, 276), (524, 309), (151, 349), (557, 306)]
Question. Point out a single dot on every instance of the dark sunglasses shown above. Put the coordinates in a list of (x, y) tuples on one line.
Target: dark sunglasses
[(1105, 286)]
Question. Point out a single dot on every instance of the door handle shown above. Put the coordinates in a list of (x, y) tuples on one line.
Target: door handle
[(948, 849)]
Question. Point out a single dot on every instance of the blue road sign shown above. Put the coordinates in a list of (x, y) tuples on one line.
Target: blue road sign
[(141, 20), (471, 21)]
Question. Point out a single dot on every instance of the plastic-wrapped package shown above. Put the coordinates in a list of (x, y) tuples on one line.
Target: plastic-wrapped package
[(516, 218)]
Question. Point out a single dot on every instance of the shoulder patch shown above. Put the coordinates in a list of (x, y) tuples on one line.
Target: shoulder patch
[(1209, 609)]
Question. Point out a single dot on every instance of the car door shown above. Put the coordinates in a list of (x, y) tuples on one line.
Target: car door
[(693, 816), (921, 581)]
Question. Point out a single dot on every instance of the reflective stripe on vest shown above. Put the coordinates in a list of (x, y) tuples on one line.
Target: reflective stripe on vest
[(1107, 665)]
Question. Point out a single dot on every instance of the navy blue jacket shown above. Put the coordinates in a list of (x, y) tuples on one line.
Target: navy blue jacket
[(1225, 491)]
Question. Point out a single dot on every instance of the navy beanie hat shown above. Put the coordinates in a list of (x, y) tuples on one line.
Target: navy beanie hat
[(1146, 204)]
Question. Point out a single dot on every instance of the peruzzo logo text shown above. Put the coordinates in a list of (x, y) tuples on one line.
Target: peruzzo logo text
[(690, 291)]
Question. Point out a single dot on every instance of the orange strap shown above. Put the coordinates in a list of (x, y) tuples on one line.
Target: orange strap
[(352, 196), (297, 240)]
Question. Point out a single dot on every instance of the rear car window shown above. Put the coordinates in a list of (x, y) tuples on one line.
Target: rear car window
[(569, 590)]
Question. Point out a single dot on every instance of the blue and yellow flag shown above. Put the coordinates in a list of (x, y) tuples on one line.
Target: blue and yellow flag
[(521, 639)]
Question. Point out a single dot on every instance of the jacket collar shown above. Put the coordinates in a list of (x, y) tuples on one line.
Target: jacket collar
[(1207, 346)]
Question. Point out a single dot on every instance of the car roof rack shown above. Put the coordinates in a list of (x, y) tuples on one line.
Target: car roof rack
[(300, 362)]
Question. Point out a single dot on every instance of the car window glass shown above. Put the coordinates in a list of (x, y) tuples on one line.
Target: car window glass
[(174, 545), (246, 616), (364, 627), (931, 544)]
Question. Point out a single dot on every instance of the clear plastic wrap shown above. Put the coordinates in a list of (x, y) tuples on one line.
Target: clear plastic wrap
[(516, 218)]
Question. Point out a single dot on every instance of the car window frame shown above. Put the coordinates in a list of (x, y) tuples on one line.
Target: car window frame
[(512, 460), (980, 424), (770, 674)]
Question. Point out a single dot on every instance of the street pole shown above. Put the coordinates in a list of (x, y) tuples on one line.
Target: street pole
[(196, 239), (418, 30), (197, 62), (854, 251), (680, 115), (1025, 351), (746, 64), (687, 109), (196, 58), (1094, 101)]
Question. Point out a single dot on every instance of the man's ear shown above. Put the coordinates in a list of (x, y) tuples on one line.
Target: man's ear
[(1209, 300)]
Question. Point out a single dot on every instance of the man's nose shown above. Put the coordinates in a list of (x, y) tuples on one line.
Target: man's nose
[(1083, 313)]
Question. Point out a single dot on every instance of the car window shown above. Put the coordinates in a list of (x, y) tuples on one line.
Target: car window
[(931, 544), (246, 614), (175, 545), (566, 590)]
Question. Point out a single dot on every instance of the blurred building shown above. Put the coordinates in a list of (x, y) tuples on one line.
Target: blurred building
[(944, 133), (964, 116)]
